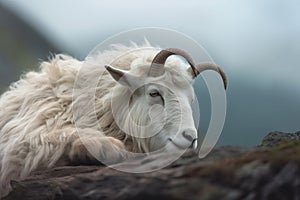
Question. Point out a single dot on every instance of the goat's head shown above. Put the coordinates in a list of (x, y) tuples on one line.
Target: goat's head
[(158, 109)]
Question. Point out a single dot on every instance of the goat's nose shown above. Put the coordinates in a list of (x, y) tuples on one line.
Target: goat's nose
[(191, 136)]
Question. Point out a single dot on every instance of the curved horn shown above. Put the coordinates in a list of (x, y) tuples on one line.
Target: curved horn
[(157, 65), (208, 66)]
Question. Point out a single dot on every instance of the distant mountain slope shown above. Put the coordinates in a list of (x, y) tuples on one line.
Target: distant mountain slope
[(21, 47)]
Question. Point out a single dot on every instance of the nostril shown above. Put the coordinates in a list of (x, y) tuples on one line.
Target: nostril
[(188, 135)]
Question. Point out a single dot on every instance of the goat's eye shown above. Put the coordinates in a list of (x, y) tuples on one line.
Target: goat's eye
[(154, 94)]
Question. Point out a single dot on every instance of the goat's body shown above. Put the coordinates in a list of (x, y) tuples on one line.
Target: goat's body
[(37, 128)]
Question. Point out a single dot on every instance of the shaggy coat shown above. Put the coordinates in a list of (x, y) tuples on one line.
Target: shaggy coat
[(37, 119)]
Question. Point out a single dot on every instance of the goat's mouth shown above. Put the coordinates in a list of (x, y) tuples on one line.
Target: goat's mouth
[(178, 145)]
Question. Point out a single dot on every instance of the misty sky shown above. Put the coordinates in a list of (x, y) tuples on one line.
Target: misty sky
[(256, 42)]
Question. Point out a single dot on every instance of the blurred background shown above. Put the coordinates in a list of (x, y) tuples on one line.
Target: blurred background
[(257, 43)]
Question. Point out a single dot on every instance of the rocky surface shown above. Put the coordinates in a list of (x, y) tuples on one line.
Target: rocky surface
[(278, 138), (226, 173)]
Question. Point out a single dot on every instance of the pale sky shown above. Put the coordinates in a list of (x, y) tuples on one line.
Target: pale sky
[(263, 34)]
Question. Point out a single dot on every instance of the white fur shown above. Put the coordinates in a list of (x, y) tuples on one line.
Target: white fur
[(37, 123)]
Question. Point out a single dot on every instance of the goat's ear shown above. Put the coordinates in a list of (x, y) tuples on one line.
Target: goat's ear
[(123, 77)]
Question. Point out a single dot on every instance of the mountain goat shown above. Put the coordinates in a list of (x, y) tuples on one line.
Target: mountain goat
[(38, 114)]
